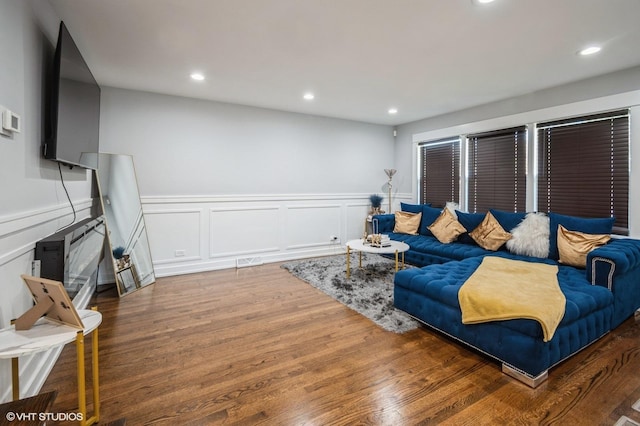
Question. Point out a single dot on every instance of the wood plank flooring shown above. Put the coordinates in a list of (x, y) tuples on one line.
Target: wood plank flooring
[(259, 346)]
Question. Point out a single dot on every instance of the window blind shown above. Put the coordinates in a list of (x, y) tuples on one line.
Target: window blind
[(440, 172), (496, 175), (583, 167)]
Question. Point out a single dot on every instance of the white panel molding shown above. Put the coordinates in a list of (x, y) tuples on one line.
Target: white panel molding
[(311, 240), (21, 232), (248, 198), (330, 210), (17, 223), (15, 254), (244, 253), (157, 211), (184, 259), (243, 209), (171, 211), (342, 215), (259, 248)]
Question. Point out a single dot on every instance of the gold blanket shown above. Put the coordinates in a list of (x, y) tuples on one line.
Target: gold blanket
[(503, 289)]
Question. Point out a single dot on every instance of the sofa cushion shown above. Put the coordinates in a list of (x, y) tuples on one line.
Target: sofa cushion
[(573, 246), (573, 223), (429, 215), (470, 221), (413, 208), (407, 223), (489, 234), (446, 228), (531, 236), (421, 244), (442, 282), (508, 220)]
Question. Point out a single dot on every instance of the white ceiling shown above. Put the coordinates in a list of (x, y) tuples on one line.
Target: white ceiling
[(359, 57)]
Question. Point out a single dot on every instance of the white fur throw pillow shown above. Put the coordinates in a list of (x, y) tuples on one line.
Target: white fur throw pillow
[(531, 236)]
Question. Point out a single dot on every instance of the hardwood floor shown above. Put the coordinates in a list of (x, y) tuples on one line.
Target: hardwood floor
[(259, 346)]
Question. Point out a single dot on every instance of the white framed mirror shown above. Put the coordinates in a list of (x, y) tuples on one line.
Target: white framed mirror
[(126, 231)]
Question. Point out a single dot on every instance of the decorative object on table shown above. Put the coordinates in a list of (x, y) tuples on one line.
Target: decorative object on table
[(370, 226), (123, 261), (51, 300), (376, 203), (388, 185), (369, 290), (118, 252), (379, 240)]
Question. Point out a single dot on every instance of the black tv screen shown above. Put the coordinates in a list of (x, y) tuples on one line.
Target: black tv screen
[(73, 118)]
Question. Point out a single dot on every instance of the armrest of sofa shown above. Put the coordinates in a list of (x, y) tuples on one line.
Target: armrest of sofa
[(619, 257), (386, 222)]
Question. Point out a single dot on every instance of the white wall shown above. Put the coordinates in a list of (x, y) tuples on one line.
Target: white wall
[(609, 92), (32, 201), (222, 183)]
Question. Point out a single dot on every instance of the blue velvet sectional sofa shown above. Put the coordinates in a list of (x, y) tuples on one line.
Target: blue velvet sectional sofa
[(598, 298)]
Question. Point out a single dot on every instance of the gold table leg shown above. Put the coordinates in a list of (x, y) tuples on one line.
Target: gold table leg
[(360, 260), (348, 263), (15, 378), (82, 397), (95, 371), (396, 260)]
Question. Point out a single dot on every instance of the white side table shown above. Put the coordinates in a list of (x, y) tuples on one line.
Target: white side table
[(395, 247), (45, 335)]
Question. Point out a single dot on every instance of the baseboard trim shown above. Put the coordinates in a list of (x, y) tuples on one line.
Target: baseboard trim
[(164, 270)]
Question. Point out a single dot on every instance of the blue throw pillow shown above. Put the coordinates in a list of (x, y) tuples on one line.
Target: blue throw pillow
[(429, 215), (508, 220), (413, 208), (470, 221), (572, 223)]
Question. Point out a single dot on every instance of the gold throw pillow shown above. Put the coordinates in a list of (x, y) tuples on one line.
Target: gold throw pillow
[(407, 223), (489, 234), (573, 246), (446, 227)]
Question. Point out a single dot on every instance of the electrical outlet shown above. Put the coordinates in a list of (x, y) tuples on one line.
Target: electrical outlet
[(180, 253), (334, 239)]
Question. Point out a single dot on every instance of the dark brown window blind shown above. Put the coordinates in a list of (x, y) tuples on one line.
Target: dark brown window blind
[(440, 172), (497, 171), (583, 167)]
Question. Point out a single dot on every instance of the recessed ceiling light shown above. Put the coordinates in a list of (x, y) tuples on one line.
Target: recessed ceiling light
[(590, 50), (308, 96), (483, 1), (197, 76), (393, 110)]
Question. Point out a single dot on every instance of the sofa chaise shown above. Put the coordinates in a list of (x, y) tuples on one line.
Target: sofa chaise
[(599, 295)]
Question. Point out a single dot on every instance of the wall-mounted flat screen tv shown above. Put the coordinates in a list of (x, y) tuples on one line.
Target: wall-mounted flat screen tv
[(72, 119)]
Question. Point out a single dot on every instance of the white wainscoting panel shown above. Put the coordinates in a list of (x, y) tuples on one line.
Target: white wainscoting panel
[(243, 231), (217, 232), (356, 216), (19, 234), (176, 235), (312, 225)]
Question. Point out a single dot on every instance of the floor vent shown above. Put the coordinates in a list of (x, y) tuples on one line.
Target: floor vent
[(243, 262)]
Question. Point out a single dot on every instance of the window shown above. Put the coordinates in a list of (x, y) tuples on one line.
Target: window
[(583, 167), (440, 172), (497, 175)]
